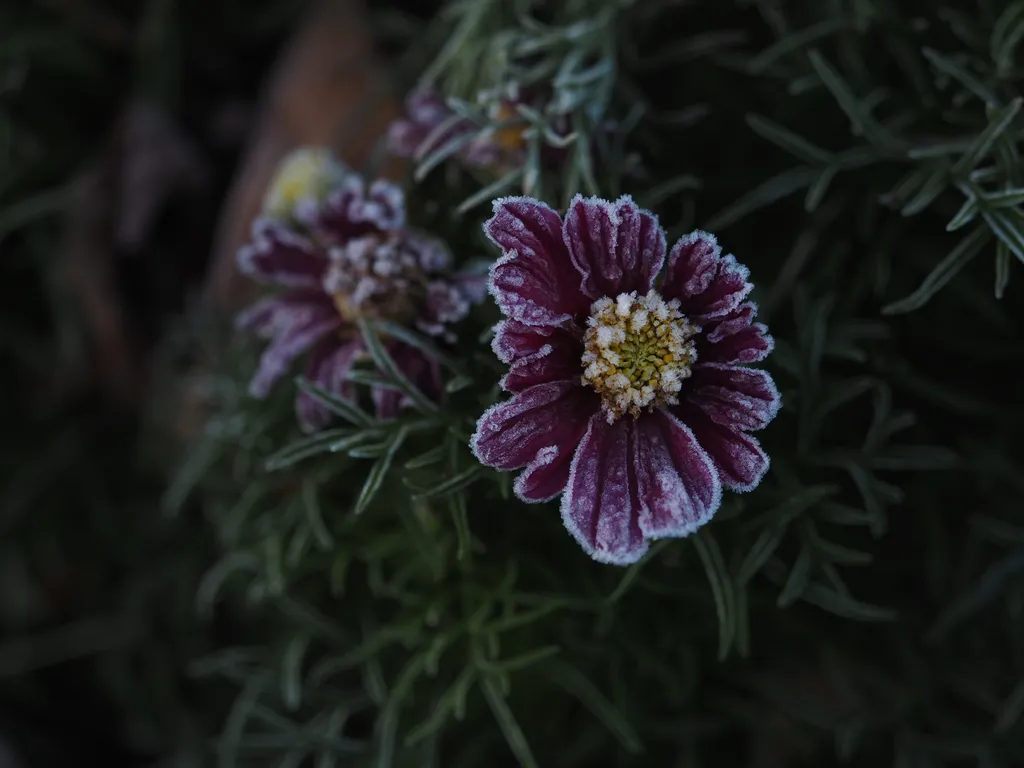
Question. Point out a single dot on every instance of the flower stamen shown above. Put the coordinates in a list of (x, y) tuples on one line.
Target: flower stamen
[(638, 350)]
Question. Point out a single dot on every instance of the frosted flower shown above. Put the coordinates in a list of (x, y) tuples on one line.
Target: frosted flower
[(340, 257), (430, 124), (631, 395), (305, 174)]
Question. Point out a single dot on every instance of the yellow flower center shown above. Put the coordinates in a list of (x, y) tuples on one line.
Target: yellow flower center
[(306, 172), (510, 138), (638, 350)]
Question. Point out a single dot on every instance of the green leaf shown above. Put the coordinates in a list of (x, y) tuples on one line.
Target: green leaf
[(216, 576), (192, 471), (817, 191), (944, 271), (380, 470), (438, 155), (491, 191), (1002, 269), (525, 659), (860, 118), (844, 606), (791, 142), (990, 586), (328, 441), (949, 67), (771, 191), (460, 519), (238, 719), (420, 342), (933, 186), (982, 145), (507, 723), (1007, 198), (311, 506), (387, 365), (795, 41), (634, 571), (427, 458), (291, 671), (1008, 226), (347, 411), (1007, 33), (577, 685), (799, 578), (387, 723), (967, 213), (658, 194), (453, 484), (722, 588)]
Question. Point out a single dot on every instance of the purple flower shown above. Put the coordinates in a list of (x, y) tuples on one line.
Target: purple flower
[(347, 256), (630, 395), (430, 124)]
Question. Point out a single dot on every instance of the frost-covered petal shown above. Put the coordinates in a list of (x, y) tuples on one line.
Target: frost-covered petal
[(741, 398), (351, 210), (617, 247), (536, 354), (280, 256), (707, 284), (329, 366), (600, 507), (423, 372), (272, 314), (546, 476), (534, 281), (735, 338), (306, 327), (511, 434), (677, 483), (738, 457)]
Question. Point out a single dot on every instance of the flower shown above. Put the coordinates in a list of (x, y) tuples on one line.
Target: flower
[(342, 256), (305, 174), (430, 124), (631, 397)]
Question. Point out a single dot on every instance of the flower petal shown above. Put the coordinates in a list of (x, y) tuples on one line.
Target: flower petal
[(537, 354), (707, 284), (329, 366), (280, 256), (546, 476), (738, 457), (745, 399), (617, 247), (677, 483), (305, 327), (511, 434), (534, 281), (735, 338), (600, 507), (352, 211), (272, 314)]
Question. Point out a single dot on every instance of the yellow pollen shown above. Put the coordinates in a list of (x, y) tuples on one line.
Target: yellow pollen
[(638, 350)]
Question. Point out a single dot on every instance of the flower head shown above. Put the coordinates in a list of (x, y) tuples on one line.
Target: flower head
[(341, 255), (307, 173), (631, 395), (430, 124)]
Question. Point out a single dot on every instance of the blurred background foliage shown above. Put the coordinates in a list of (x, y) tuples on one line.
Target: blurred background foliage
[(369, 596)]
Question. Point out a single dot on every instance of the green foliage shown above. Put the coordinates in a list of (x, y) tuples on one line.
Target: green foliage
[(860, 607), (391, 604)]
